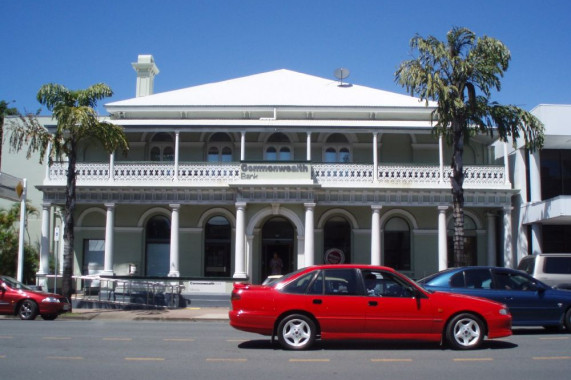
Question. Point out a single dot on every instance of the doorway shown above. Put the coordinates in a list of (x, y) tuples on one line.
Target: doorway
[(278, 240)]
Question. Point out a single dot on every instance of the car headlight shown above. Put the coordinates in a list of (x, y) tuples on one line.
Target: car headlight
[(51, 300)]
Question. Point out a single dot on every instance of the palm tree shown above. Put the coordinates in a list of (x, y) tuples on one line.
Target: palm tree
[(77, 121), (459, 74)]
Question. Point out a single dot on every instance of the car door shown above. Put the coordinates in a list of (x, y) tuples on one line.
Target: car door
[(6, 299), (529, 303), (393, 308), (337, 301)]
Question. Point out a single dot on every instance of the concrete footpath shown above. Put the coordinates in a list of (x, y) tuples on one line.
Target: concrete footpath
[(182, 314), (188, 314)]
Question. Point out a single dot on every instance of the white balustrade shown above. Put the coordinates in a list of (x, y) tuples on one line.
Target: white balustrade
[(329, 174)]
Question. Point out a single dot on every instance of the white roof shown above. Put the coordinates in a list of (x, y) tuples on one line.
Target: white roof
[(275, 88)]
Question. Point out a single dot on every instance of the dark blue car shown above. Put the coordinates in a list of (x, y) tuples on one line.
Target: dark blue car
[(531, 302)]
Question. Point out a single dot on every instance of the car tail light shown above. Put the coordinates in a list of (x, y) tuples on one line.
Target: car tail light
[(235, 296)]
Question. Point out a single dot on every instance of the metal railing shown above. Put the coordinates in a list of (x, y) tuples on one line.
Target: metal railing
[(97, 291)]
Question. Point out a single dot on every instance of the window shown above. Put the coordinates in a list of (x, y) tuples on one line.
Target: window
[(555, 173), (342, 282), (162, 147), (513, 281), (300, 285), (337, 234), (556, 238), (336, 149), (397, 244), (93, 256), (472, 279), (383, 284), (219, 148), (158, 232), (278, 148), (217, 247)]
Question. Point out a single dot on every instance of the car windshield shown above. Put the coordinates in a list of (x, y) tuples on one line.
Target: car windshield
[(13, 283)]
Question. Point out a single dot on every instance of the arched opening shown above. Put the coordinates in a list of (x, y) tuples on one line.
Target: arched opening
[(277, 240), (337, 236), (219, 148), (397, 244), (157, 234), (217, 247)]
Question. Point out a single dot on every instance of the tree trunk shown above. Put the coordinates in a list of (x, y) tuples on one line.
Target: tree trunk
[(457, 182), (68, 242)]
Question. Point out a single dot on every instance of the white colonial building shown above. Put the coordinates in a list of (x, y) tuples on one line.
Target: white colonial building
[(222, 176)]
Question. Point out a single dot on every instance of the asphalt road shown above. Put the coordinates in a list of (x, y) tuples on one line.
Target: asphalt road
[(212, 350)]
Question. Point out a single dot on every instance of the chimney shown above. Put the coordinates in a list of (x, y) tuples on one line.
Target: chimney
[(146, 71)]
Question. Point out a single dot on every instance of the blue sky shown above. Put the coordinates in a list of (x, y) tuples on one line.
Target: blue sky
[(78, 43)]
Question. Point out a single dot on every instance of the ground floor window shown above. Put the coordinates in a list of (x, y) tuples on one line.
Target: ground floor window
[(556, 239), (397, 244), (158, 233), (93, 256), (337, 241), (217, 247)]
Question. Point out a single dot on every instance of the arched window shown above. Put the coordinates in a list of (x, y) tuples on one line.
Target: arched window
[(278, 148), (219, 148), (470, 241), (157, 234), (162, 147), (397, 244), (337, 235), (337, 149), (217, 247)]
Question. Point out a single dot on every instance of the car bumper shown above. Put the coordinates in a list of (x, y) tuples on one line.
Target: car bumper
[(252, 322), (499, 327)]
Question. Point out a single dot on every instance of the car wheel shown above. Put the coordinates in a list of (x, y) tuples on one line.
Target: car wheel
[(465, 331), (567, 321), (296, 332), (28, 310), (49, 317)]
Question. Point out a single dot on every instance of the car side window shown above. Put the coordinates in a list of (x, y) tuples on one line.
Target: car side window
[(299, 285), (342, 282), (316, 286), (513, 281), (383, 284), (478, 279)]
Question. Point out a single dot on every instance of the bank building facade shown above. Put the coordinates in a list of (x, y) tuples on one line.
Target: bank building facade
[(221, 178)]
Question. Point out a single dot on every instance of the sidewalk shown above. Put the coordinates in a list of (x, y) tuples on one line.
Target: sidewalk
[(181, 315), (189, 314)]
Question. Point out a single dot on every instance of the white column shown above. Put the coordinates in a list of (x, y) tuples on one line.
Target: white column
[(243, 146), (308, 149), (506, 164), (112, 167), (176, 153), (174, 256), (441, 158), (309, 234), (239, 258), (109, 227), (45, 240), (249, 256), (508, 244), (20, 271), (536, 239), (442, 239), (61, 213), (376, 157), (376, 235), (535, 177), (491, 239)]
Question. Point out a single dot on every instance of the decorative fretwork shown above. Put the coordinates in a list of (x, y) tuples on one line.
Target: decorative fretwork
[(329, 175)]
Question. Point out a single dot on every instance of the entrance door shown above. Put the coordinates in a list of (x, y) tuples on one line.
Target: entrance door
[(277, 247)]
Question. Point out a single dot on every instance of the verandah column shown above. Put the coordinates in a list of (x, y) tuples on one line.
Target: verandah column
[(240, 246), (376, 235), (309, 234), (44, 246), (109, 226), (174, 256), (442, 239)]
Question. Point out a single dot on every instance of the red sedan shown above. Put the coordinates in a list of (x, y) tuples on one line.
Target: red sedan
[(19, 299), (362, 302)]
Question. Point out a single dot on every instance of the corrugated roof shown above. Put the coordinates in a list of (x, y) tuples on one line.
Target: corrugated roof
[(275, 88)]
